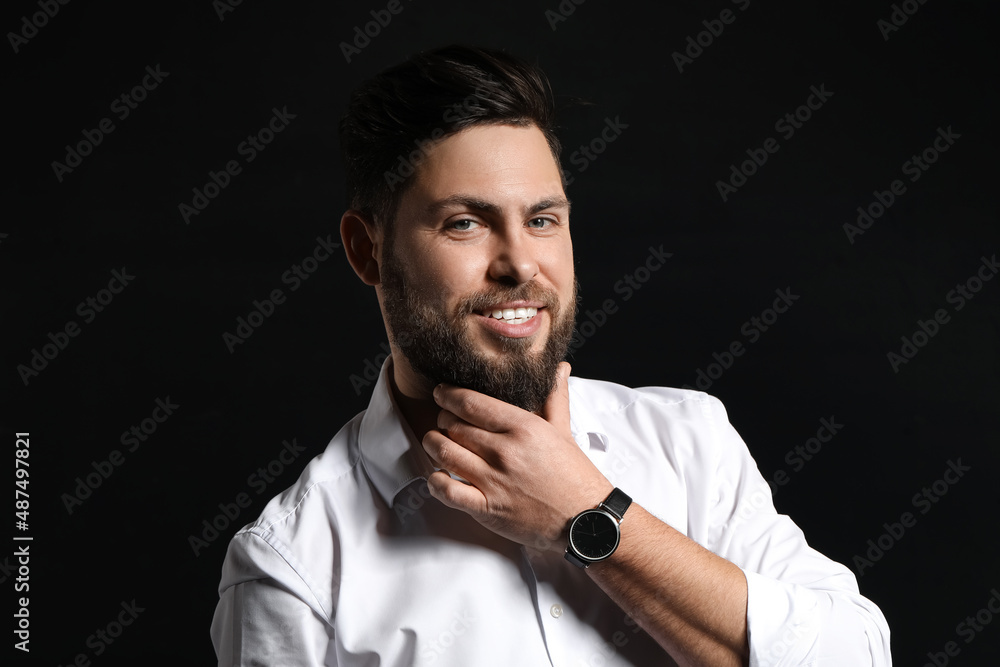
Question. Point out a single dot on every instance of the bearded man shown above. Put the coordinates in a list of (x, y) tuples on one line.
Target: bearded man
[(487, 508)]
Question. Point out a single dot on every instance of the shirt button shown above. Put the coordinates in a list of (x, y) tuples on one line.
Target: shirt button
[(556, 610)]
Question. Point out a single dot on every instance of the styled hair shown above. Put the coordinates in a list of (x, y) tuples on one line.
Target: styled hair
[(394, 117)]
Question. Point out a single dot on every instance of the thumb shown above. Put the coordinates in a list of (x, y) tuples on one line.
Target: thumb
[(556, 408)]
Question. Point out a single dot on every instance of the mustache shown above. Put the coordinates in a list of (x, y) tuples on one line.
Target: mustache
[(530, 291)]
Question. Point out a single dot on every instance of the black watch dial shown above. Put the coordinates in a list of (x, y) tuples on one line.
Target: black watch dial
[(594, 535)]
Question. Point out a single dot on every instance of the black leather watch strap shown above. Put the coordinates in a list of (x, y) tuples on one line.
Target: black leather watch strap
[(617, 503)]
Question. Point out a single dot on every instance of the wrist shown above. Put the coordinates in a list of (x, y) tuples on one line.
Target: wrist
[(594, 534)]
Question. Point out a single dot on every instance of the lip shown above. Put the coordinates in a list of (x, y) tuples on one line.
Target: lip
[(505, 329)]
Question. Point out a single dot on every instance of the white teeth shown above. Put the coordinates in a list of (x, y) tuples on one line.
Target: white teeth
[(514, 315)]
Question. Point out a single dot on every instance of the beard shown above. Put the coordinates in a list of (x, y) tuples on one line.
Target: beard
[(439, 346)]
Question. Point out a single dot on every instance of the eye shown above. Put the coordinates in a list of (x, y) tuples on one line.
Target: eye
[(540, 223), (463, 225)]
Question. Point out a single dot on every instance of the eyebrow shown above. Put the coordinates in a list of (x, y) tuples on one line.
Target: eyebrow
[(477, 204)]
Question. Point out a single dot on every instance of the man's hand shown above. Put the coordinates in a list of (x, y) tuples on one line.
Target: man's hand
[(527, 476)]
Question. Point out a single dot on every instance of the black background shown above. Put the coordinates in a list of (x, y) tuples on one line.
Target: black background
[(655, 184)]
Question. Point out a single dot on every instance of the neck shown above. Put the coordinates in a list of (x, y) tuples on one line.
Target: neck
[(415, 401)]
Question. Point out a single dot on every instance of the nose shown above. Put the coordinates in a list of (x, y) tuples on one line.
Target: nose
[(513, 261)]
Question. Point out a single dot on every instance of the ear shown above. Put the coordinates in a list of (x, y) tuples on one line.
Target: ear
[(363, 243)]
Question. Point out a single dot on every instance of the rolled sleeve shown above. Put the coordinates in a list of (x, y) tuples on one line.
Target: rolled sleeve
[(263, 617), (803, 609), (792, 624)]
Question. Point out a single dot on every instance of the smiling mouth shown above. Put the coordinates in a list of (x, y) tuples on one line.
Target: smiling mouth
[(510, 315)]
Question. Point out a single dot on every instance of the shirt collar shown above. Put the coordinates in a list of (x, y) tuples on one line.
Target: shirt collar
[(393, 458), (391, 454), (583, 422)]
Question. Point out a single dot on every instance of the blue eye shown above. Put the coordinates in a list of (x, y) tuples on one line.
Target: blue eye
[(463, 225), (545, 222)]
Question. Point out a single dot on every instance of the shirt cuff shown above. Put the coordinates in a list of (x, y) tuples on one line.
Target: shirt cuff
[(788, 624)]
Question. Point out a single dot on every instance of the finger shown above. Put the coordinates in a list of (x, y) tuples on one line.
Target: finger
[(473, 438), (478, 409), (455, 494), (450, 455), (556, 408)]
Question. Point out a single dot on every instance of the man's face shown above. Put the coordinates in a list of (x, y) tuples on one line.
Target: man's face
[(478, 288)]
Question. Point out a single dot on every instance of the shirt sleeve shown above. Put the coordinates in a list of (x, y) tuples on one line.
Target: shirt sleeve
[(267, 614), (802, 607)]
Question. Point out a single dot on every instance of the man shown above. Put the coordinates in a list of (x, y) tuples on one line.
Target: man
[(454, 522)]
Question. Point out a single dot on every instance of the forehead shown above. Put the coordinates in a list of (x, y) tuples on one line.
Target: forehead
[(504, 164)]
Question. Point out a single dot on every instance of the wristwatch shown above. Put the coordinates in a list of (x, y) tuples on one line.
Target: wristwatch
[(594, 534)]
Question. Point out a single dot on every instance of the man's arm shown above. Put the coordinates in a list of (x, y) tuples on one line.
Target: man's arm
[(262, 616), (697, 605), (691, 601)]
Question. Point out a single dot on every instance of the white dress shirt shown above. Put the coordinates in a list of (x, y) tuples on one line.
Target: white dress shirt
[(356, 564)]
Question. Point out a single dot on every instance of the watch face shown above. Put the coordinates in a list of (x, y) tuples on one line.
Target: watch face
[(594, 535)]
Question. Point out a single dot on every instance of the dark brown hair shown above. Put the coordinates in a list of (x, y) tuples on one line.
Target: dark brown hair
[(392, 118)]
